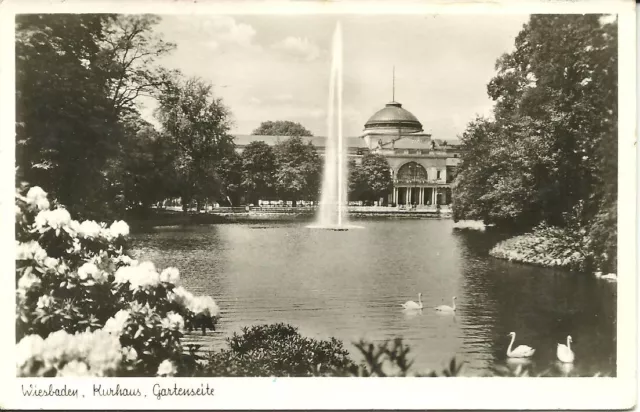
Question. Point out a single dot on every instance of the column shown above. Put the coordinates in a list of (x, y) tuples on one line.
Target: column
[(433, 196), (408, 193), (394, 197)]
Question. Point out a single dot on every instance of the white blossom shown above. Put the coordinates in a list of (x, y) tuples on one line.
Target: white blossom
[(143, 275), (30, 250), (173, 321), (196, 304), (88, 270), (170, 275), (50, 263), (167, 368), (119, 228), (36, 197), (106, 353), (45, 301), (54, 219), (55, 346), (116, 324), (29, 347), (206, 305), (74, 369), (89, 229), (26, 282), (129, 354)]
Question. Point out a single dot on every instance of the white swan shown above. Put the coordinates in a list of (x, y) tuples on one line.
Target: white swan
[(608, 276), (413, 305), (564, 352), (446, 308), (522, 351)]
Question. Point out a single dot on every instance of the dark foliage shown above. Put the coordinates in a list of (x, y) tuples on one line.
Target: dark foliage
[(552, 148), (282, 128), (278, 350)]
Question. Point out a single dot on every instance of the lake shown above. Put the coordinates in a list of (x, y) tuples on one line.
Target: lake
[(350, 285)]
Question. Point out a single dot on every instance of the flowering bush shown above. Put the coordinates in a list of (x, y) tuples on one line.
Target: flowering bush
[(545, 246), (84, 307)]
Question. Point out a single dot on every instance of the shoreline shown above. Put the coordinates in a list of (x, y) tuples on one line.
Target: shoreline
[(167, 217)]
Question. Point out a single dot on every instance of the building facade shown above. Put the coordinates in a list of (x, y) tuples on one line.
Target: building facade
[(423, 169)]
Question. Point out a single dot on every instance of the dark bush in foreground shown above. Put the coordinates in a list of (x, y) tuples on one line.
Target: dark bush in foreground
[(278, 350)]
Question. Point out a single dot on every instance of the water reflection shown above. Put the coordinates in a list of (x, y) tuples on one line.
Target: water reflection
[(350, 285)]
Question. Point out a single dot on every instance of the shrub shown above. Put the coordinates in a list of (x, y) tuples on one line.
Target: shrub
[(546, 246), (278, 350), (84, 307)]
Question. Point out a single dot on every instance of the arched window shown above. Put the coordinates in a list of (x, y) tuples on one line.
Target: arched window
[(411, 172)]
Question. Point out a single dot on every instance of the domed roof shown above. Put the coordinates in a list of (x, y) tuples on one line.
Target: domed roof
[(394, 117)]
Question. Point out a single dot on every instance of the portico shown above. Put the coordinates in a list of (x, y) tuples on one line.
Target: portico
[(420, 196)]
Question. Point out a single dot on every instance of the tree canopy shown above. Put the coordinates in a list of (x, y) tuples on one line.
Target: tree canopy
[(198, 124), (298, 170), (77, 79), (282, 128), (258, 171), (551, 149), (371, 179)]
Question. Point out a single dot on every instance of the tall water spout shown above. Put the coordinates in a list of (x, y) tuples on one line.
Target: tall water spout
[(333, 201)]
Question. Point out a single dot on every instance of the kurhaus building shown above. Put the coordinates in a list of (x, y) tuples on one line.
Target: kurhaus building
[(422, 168)]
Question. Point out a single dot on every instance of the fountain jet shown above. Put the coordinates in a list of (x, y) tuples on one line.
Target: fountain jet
[(333, 200)]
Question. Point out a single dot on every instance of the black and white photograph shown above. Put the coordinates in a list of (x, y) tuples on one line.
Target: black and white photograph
[(230, 194)]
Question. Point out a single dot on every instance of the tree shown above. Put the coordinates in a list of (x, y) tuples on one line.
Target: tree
[(258, 171), (78, 77), (298, 170), (144, 172), (370, 180), (198, 126), (376, 175), (229, 171), (282, 128), (355, 181), (551, 150), (66, 130), (128, 52)]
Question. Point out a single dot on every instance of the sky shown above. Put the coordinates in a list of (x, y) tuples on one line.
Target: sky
[(277, 67)]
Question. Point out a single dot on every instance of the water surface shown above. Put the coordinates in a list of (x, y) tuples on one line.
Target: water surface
[(350, 285)]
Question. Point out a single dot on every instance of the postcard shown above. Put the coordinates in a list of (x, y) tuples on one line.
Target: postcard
[(333, 205)]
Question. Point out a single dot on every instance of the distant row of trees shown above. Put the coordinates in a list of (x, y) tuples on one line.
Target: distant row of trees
[(81, 137), (292, 170), (549, 155)]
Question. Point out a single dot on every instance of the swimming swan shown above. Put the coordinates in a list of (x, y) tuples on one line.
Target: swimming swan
[(564, 352), (608, 276), (445, 308), (522, 351), (413, 305)]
